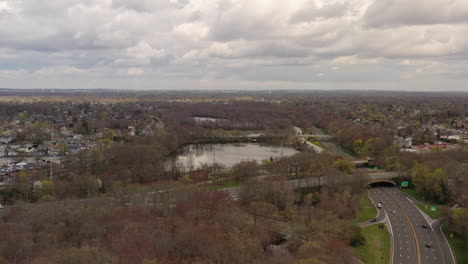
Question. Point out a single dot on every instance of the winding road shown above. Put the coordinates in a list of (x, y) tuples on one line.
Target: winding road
[(410, 240)]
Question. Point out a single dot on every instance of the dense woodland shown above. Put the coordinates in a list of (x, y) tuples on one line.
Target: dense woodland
[(117, 203)]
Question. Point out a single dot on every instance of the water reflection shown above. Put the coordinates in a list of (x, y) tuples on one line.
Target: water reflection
[(194, 156)]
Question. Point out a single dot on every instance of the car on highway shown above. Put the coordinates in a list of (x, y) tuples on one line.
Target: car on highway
[(1, 206), (379, 205), (424, 226), (394, 212), (373, 220), (428, 245)]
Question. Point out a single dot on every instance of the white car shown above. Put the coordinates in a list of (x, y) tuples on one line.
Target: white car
[(1, 206), (379, 205)]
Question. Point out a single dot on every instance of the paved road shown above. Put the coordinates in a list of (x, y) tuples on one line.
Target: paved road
[(409, 238), (381, 215), (331, 146)]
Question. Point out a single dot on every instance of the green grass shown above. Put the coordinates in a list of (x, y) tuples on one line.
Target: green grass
[(231, 183), (433, 214), (376, 249), (349, 152), (427, 209), (367, 212), (458, 246), (413, 193), (324, 131), (317, 143)]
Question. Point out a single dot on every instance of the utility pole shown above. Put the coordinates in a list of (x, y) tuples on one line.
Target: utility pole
[(281, 149), (50, 161), (50, 176), (214, 161)]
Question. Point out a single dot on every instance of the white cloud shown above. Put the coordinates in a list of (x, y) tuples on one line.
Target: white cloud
[(177, 43), (6, 8), (140, 54), (191, 32), (135, 71), (354, 60), (416, 12), (54, 71), (11, 74)]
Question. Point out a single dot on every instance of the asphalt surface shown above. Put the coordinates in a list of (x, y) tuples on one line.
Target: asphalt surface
[(409, 238)]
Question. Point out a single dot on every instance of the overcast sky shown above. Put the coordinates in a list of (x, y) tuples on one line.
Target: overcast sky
[(235, 44)]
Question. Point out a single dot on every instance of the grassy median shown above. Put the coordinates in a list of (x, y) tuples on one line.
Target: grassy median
[(376, 249), (368, 210)]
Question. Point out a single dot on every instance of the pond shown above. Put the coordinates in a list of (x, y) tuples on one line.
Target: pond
[(195, 155)]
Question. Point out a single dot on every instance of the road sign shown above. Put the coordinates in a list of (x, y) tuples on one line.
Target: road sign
[(451, 236), (404, 184), (433, 208)]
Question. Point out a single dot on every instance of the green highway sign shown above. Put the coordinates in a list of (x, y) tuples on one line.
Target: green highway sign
[(433, 208), (404, 184)]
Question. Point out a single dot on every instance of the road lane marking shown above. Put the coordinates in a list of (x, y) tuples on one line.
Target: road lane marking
[(418, 250), (430, 222)]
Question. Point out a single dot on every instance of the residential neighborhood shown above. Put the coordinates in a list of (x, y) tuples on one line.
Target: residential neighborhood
[(32, 139)]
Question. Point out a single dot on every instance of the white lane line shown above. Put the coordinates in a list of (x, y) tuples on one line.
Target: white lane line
[(447, 244)]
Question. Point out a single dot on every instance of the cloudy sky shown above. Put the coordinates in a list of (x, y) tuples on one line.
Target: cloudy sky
[(235, 44)]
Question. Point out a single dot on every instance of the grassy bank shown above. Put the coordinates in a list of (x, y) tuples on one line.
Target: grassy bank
[(458, 246), (324, 131), (412, 192), (427, 209), (229, 183), (376, 249), (317, 143), (368, 210), (349, 152)]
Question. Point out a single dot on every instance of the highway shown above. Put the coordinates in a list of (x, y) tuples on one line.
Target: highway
[(330, 146), (409, 238)]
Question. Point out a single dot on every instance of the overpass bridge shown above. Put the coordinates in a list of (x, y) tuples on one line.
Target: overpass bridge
[(318, 137), (364, 179), (363, 162)]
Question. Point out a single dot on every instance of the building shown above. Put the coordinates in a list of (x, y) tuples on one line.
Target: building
[(432, 147)]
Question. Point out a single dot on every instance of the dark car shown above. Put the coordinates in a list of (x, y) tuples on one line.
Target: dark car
[(424, 226), (428, 245), (373, 220)]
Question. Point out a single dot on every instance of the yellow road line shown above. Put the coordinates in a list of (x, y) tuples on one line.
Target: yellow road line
[(418, 259)]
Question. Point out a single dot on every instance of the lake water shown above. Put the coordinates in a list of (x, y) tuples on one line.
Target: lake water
[(195, 155)]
